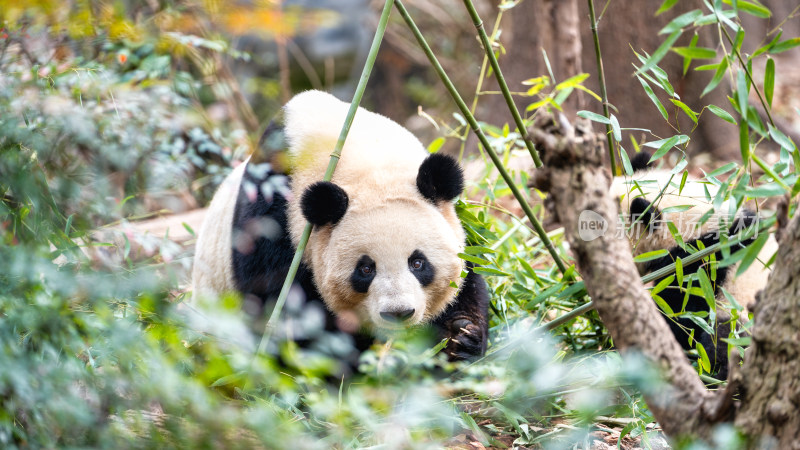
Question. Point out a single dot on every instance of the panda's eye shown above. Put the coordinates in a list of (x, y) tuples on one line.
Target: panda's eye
[(363, 274), (421, 267)]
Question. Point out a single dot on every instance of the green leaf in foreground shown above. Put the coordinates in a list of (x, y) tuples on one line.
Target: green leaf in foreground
[(769, 80), (649, 256), (489, 271), (665, 147)]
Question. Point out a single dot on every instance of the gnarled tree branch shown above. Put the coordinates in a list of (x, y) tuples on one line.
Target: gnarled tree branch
[(576, 180)]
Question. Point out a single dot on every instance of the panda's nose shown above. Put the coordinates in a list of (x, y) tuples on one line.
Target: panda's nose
[(397, 316)]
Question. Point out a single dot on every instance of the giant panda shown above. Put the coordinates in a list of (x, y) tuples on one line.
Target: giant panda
[(383, 251), (651, 198)]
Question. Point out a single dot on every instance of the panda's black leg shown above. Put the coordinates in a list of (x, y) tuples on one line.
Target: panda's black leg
[(466, 321)]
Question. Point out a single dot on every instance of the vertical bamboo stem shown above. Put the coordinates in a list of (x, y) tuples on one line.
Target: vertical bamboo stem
[(512, 107), (602, 79), (479, 133), (337, 152)]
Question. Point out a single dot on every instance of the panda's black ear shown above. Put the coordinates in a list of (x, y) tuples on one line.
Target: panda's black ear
[(324, 202), (440, 178), (641, 161), (641, 214)]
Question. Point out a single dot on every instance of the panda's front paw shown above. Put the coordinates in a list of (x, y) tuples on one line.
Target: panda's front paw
[(467, 340)]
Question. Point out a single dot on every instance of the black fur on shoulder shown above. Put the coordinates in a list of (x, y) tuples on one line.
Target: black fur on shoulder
[(440, 178), (324, 203), (641, 161)]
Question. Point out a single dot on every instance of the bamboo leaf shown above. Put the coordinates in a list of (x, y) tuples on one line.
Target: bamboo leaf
[(721, 113), (696, 52), (708, 291), (766, 190), (473, 259), (666, 6), (785, 45), (615, 128), (681, 21), (723, 66), (752, 8), (660, 52), (490, 271), (703, 361), (594, 117), (662, 284), (436, 145), (781, 139), (752, 253), (649, 256), (722, 170), (571, 82), (744, 142), (664, 306), (769, 80), (742, 89), (626, 163), (685, 108), (665, 147), (649, 91)]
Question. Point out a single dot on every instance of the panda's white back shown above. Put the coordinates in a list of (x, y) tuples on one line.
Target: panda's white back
[(212, 273)]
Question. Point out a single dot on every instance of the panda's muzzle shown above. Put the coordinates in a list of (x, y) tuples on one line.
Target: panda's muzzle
[(397, 316)]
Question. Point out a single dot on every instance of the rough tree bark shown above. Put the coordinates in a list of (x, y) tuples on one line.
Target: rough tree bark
[(770, 376), (576, 181)]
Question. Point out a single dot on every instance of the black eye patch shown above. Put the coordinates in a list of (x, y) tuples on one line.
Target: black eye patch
[(363, 274), (422, 269)]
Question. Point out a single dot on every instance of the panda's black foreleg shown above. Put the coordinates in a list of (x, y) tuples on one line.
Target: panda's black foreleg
[(466, 321)]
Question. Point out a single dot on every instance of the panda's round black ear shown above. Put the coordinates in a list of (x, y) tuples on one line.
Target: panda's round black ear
[(644, 212), (440, 178), (641, 161), (324, 202)]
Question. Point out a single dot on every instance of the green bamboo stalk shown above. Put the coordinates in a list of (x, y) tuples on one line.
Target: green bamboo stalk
[(481, 137), (487, 46), (602, 79), (337, 152)]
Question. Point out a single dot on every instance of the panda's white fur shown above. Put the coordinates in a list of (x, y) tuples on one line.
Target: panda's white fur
[(695, 193), (386, 216)]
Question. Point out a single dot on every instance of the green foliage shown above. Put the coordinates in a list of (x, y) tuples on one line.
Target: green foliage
[(98, 347)]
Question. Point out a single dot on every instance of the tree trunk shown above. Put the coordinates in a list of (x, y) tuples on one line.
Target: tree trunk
[(577, 183), (769, 380), (770, 377)]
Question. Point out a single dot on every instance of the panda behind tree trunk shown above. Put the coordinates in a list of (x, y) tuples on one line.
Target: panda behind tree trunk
[(649, 200)]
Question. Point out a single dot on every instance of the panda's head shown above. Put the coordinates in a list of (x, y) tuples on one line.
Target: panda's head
[(388, 263), (652, 198)]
